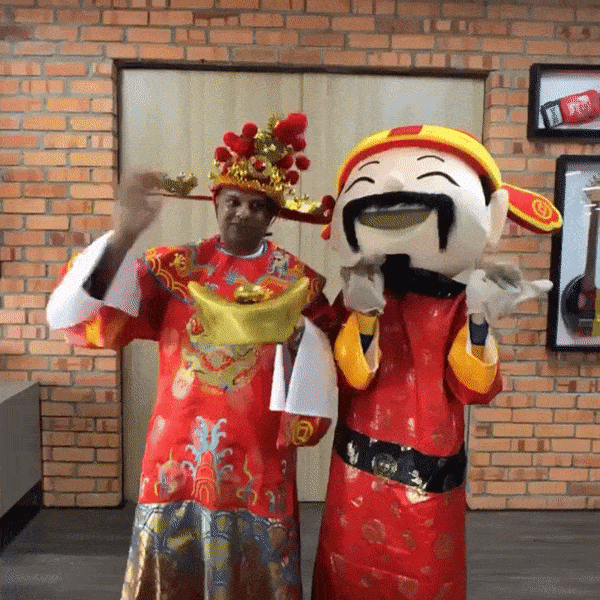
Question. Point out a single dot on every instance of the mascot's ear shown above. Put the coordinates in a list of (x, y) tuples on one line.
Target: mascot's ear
[(498, 210)]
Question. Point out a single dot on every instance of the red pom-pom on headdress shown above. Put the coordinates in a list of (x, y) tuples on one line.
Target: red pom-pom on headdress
[(230, 138), (297, 122), (222, 154), (286, 162), (299, 143), (284, 133), (249, 130), (240, 145), (302, 162), (245, 147)]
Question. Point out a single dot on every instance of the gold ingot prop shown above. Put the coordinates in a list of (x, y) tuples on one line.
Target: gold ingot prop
[(250, 293), (270, 321)]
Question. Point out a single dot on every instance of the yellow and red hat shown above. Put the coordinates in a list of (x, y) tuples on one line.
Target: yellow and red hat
[(527, 208)]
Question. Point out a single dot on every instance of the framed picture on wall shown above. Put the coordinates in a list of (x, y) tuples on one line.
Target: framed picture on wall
[(574, 301), (564, 102)]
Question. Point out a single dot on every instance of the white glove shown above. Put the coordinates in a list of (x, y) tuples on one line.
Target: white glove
[(496, 290), (362, 287)]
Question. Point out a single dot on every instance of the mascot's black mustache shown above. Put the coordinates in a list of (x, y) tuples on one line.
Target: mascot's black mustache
[(442, 203)]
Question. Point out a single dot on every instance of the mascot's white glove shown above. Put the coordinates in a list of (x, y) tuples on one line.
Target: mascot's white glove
[(362, 286), (496, 290)]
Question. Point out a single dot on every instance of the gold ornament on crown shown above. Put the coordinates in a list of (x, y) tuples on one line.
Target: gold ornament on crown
[(182, 185)]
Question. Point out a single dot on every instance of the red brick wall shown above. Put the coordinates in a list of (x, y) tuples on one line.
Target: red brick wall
[(538, 446)]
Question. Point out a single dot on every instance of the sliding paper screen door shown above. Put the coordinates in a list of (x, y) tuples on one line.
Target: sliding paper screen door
[(172, 121)]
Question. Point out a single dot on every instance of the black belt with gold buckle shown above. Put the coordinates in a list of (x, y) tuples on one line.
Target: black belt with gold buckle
[(403, 464)]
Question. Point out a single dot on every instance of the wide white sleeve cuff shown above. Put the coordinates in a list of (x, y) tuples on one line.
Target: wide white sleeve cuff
[(70, 304), (309, 387)]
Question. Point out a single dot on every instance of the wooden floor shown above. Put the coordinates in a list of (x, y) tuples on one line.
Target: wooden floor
[(80, 554)]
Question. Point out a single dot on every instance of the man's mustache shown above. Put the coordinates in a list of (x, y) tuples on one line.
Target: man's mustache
[(442, 203)]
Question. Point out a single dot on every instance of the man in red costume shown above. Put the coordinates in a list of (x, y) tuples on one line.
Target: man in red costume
[(217, 515), (416, 207)]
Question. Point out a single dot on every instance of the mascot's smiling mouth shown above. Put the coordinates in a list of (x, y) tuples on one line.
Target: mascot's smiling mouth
[(399, 216), (398, 210)]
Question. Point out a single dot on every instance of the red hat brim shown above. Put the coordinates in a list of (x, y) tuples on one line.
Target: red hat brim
[(532, 211)]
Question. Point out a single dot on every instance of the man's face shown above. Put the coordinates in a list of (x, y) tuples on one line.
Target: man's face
[(243, 218), (421, 202)]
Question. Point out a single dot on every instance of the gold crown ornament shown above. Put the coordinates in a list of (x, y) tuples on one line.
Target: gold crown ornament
[(254, 318), (181, 186), (269, 161), (266, 160)]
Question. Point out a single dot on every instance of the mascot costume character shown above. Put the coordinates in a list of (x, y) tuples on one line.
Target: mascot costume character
[(416, 208)]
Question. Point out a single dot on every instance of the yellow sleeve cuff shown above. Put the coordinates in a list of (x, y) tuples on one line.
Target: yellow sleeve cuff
[(366, 323), (475, 373), (358, 368), (102, 332)]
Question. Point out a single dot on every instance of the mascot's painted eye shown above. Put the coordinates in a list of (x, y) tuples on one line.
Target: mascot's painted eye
[(439, 174), (369, 179)]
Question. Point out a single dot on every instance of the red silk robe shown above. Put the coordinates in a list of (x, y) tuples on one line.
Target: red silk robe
[(381, 538), (212, 437)]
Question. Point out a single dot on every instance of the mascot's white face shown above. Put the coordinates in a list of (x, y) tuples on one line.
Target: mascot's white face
[(427, 204)]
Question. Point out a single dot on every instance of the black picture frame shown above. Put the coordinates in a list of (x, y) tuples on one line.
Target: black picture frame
[(570, 327), (548, 84)]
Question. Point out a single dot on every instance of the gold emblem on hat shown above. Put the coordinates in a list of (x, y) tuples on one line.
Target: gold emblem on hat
[(542, 209)]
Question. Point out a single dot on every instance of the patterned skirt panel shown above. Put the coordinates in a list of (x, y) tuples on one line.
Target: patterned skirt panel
[(183, 551)]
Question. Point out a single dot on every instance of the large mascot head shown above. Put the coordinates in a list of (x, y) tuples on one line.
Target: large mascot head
[(431, 193)]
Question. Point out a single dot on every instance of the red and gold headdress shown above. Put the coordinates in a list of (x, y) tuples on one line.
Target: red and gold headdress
[(268, 161), (263, 160)]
